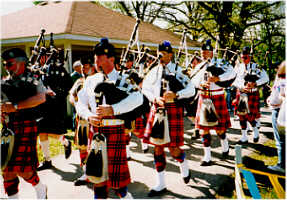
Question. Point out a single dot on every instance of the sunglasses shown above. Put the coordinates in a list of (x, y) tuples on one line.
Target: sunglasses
[(9, 64)]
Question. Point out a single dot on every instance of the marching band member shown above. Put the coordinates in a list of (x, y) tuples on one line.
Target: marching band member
[(251, 88), (82, 127), (24, 159), (154, 90), (54, 111), (209, 90), (113, 129)]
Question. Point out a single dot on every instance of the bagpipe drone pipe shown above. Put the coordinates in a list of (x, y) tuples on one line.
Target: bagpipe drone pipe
[(176, 85), (15, 90), (218, 66), (25, 86), (114, 95), (49, 66)]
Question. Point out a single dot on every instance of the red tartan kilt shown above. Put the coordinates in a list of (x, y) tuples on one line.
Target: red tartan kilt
[(118, 170), (24, 157), (254, 106), (139, 127), (221, 109), (175, 124)]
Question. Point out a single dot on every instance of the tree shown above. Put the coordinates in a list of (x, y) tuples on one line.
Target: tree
[(237, 23)]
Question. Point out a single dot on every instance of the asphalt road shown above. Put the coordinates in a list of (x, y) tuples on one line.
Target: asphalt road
[(204, 183)]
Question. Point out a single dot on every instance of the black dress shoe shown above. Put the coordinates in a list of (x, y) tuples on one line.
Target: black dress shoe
[(80, 182), (225, 154), (241, 142), (145, 150), (153, 193), (186, 179), (196, 135), (45, 165), (255, 140), (68, 150), (129, 158), (204, 163)]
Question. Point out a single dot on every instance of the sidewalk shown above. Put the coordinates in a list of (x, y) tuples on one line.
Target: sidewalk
[(204, 183)]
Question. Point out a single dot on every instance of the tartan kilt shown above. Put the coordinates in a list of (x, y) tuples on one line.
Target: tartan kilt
[(175, 124), (254, 106), (118, 170), (140, 127), (221, 109), (24, 157)]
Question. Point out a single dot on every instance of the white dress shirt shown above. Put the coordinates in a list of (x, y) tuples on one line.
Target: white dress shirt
[(240, 70), (152, 82), (87, 105)]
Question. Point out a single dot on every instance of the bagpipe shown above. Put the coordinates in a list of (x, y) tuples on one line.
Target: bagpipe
[(253, 73), (50, 66), (20, 88), (13, 90), (216, 66), (115, 92), (173, 79)]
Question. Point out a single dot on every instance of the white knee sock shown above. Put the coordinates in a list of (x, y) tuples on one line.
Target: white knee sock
[(45, 149), (256, 132), (224, 145), (244, 135), (207, 154), (184, 168), (160, 181), (128, 151), (41, 190)]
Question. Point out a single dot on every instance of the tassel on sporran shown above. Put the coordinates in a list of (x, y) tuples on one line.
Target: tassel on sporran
[(208, 114), (160, 130), (82, 133), (7, 145), (97, 161), (243, 108)]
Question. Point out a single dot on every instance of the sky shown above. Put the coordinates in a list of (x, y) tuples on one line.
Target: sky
[(10, 6)]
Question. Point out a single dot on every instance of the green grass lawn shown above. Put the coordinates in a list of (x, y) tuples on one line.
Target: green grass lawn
[(265, 188)]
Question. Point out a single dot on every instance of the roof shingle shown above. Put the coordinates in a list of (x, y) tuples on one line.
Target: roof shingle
[(81, 18)]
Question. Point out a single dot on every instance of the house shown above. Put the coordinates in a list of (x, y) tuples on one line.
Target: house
[(77, 26)]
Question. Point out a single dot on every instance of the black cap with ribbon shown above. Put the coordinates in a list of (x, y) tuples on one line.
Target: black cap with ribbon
[(245, 50), (165, 46), (207, 45), (13, 53), (104, 48)]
